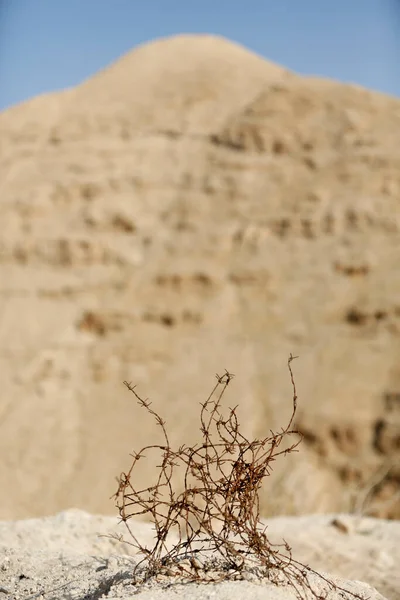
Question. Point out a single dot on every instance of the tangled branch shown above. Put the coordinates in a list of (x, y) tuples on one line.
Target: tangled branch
[(211, 530)]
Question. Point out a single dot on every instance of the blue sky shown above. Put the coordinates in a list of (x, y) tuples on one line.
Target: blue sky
[(47, 45)]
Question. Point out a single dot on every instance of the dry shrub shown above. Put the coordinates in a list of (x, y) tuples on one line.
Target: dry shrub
[(211, 531)]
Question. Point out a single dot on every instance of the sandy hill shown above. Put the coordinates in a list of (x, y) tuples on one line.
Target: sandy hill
[(193, 208)]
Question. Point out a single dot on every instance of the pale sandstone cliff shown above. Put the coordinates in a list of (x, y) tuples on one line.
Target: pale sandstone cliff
[(193, 208)]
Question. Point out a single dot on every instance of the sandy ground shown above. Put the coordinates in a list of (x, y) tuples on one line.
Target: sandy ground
[(66, 557)]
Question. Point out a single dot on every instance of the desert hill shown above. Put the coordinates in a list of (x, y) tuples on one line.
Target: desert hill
[(193, 208)]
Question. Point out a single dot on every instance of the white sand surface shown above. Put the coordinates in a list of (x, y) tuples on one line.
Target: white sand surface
[(66, 556)]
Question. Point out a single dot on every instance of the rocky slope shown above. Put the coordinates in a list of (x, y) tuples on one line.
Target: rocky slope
[(193, 208)]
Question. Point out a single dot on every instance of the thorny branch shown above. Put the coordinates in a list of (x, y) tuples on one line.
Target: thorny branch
[(211, 531)]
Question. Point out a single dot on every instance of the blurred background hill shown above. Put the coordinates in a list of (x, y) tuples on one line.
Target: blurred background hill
[(191, 206)]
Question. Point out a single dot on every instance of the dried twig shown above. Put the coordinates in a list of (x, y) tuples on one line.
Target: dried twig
[(211, 531)]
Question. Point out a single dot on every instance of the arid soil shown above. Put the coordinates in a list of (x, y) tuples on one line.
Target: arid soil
[(70, 556)]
